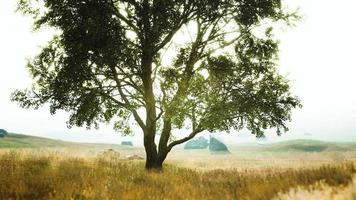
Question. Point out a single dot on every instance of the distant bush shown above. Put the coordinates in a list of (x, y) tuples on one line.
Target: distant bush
[(3, 132)]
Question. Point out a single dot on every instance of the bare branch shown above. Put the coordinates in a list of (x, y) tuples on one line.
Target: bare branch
[(191, 136)]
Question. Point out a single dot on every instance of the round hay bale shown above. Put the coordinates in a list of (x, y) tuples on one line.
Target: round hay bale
[(217, 146), (199, 143)]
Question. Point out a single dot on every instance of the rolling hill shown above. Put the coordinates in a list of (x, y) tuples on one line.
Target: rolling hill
[(309, 146), (26, 141)]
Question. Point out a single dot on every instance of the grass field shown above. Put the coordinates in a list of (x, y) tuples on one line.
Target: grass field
[(48, 169)]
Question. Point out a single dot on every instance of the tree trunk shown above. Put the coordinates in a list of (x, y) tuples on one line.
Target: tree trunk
[(154, 165), (154, 159)]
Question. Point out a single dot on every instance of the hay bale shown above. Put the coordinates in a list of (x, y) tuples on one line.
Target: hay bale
[(127, 143), (3, 133), (217, 146), (199, 143)]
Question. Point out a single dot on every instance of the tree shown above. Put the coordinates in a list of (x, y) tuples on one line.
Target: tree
[(106, 64)]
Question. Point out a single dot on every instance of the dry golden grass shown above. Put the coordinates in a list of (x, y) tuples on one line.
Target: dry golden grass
[(257, 160), (322, 191), (62, 175)]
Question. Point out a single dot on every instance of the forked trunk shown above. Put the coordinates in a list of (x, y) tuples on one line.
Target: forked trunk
[(154, 159), (151, 153), (154, 164)]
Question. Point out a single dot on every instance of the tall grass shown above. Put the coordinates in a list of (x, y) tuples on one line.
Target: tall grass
[(55, 176), (322, 191)]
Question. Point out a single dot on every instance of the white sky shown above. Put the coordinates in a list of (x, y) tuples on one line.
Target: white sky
[(317, 56)]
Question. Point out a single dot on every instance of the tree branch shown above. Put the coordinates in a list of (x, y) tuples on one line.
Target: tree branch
[(134, 112), (191, 136), (123, 18), (131, 2), (186, 16)]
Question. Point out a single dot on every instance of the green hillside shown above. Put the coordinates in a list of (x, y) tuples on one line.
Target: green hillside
[(26, 141), (309, 146)]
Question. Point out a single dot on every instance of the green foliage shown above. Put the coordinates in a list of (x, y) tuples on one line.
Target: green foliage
[(73, 70), (105, 65)]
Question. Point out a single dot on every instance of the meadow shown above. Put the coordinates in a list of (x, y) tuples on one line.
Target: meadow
[(87, 173)]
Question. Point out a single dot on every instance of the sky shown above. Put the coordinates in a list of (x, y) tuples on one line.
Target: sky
[(317, 56)]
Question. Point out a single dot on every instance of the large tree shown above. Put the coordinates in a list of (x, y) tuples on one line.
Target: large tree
[(109, 62)]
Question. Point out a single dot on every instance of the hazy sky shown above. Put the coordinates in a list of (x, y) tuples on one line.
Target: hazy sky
[(318, 56)]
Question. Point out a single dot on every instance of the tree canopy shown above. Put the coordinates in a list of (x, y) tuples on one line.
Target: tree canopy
[(107, 63)]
